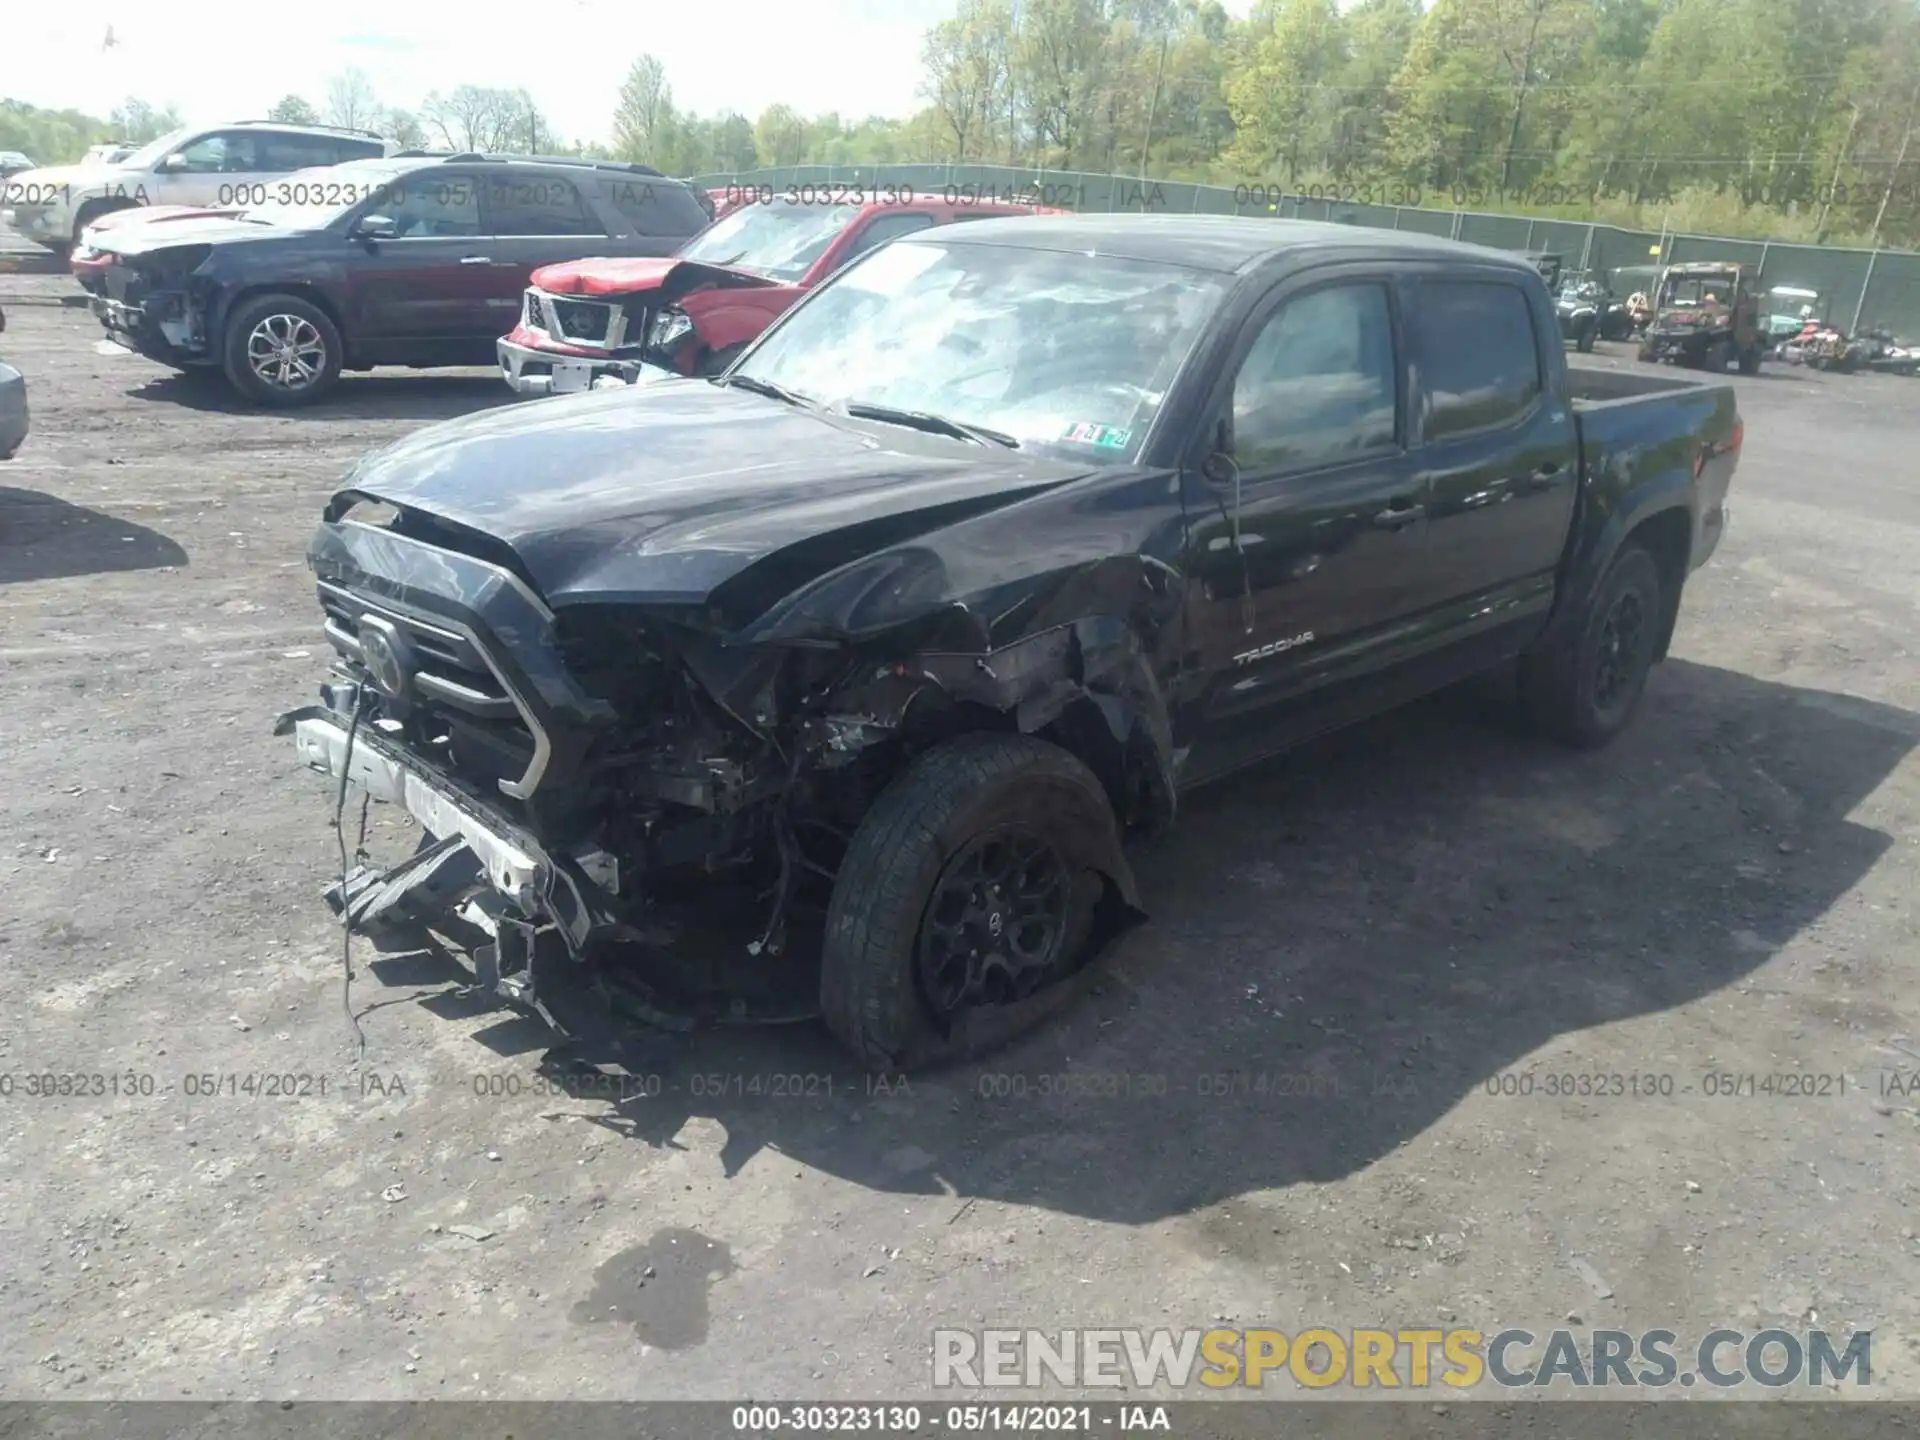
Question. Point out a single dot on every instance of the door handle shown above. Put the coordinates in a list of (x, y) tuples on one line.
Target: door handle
[(1394, 516), (476, 259)]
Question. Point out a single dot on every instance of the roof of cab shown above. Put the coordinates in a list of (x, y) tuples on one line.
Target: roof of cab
[(1224, 243)]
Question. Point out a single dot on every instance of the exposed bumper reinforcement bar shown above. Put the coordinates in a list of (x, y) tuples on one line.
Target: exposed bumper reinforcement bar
[(511, 864), (470, 845)]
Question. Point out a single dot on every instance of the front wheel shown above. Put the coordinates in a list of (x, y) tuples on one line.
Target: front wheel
[(281, 351), (1583, 690), (970, 889)]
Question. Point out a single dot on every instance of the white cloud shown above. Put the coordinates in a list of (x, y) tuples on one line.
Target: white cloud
[(222, 60)]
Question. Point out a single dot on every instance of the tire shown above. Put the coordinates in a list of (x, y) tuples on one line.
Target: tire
[(1719, 355), (1750, 362), (306, 330), (1584, 337), (1585, 690), (1646, 355), (882, 976)]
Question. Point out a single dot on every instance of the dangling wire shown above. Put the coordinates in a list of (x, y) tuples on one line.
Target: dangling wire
[(346, 908)]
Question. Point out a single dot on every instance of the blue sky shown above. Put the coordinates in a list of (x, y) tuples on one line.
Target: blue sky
[(222, 60)]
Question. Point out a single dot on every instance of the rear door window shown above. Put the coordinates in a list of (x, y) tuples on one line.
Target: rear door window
[(279, 153), (883, 228), (1479, 356), (654, 206), (537, 205)]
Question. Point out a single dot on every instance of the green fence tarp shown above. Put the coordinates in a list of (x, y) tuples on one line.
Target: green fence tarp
[(1858, 287)]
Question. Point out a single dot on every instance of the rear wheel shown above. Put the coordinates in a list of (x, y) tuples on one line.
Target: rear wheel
[(970, 886), (1719, 355), (1584, 689), (281, 351), (1584, 337), (1750, 361)]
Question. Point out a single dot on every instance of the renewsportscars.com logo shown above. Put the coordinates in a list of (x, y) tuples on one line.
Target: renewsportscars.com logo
[(1415, 1358)]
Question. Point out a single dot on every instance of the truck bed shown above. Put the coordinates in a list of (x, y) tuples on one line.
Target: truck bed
[(1656, 427), (1590, 386)]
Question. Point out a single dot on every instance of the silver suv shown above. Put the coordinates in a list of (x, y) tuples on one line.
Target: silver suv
[(224, 166)]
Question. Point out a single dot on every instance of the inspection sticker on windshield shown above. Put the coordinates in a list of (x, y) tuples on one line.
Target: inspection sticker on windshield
[(1111, 436)]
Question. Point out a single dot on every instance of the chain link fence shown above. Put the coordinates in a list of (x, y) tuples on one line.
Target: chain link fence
[(1874, 288)]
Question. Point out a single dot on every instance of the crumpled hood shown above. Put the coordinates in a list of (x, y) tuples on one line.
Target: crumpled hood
[(633, 275), (132, 240), (154, 214), (663, 492)]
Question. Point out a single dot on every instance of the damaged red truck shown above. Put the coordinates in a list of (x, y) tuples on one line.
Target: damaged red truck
[(692, 313)]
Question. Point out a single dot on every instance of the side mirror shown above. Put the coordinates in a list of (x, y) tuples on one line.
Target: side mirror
[(173, 164), (376, 227), (1218, 467)]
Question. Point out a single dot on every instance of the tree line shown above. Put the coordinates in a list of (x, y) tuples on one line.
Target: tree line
[(1789, 119), (1786, 119)]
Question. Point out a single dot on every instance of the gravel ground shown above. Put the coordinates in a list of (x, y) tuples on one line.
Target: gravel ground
[(1410, 917)]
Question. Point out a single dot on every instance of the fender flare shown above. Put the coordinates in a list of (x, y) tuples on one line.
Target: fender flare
[(1597, 545)]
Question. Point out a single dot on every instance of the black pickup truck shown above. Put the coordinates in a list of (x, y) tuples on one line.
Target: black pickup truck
[(879, 645)]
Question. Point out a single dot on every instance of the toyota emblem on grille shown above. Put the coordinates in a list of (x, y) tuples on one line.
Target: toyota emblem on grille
[(384, 653)]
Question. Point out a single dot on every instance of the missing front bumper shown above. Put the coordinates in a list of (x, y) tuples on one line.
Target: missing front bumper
[(526, 889)]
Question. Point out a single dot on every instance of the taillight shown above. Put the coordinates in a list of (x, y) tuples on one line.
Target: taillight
[(1739, 433)]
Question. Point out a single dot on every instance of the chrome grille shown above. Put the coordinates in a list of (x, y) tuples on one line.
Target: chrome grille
[(452, 670), (458, 702), (584, 320)]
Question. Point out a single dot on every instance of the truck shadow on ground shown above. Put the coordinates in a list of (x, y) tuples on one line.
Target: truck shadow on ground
[(387, 395), (42, 538), (1344, 945)]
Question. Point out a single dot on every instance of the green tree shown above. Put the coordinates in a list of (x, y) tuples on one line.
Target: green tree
[(780, 136), (966, 62), (643, 116), (350, 100), (137, 121), (1284, 98), (402, 127), (292, 110)]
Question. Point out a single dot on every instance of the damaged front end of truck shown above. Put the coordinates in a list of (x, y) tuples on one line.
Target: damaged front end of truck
[(650, 799)]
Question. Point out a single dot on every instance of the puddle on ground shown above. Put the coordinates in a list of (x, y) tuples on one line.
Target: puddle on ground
[(659, 1288)]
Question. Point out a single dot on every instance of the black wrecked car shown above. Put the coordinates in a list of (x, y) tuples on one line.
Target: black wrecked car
[(415, 260), (879, 646)]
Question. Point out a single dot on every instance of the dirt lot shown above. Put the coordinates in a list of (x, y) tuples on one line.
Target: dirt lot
[(1406, 916)]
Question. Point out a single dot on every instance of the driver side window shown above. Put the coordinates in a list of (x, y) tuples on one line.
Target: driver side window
[(222, 153), (432, 206), (1318, 387)]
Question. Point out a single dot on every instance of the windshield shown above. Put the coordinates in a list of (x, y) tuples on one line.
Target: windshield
[(1068, 350), (1693, 292), (780, 239), (154, 151), (312, 199)]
